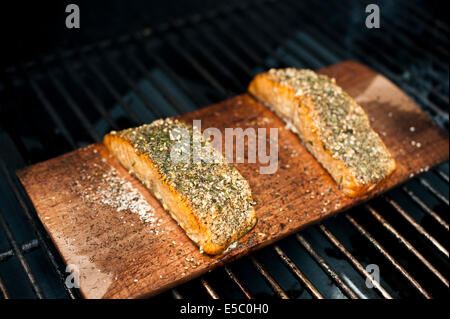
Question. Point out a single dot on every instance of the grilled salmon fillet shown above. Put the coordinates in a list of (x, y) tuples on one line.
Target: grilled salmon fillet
[(208, 198), (333, 127)]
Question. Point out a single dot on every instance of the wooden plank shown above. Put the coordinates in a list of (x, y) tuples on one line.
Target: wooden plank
[(120, 256)]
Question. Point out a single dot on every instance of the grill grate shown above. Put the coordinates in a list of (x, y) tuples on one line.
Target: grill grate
[(70, 99)]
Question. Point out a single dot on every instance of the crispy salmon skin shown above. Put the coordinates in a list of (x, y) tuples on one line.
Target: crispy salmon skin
[(208, 198), (332, 126)]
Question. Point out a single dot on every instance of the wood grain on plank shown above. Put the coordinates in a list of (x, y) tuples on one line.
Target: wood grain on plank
[(120, 256)]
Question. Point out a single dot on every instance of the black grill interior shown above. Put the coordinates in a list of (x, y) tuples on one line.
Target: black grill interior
[(70, 94)]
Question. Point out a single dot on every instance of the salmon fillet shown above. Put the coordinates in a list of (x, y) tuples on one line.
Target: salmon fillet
[(332, 126), (209, 199)]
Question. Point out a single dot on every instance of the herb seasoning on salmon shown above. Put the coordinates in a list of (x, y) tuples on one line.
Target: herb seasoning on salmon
[(334, 128), (209, 199)]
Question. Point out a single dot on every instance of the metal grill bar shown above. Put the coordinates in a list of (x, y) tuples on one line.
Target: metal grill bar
[(256, 38), (259, 33), (354, 261), (425, 207), (305, 56), (213, 60), (132, 84), (108, 85), (233, 277), (3, 290), (168, 70), (25, 248), (326, 267), (156, 83), (200, 69), (244, 45), (73, 105), (230, 55), (209, 289), (237, 40), (38, 233), (434, 92), (18, 252), (98, 105), (406, 243), (165, 93), (408, 43), (298, 273), (176, 294), (423, 15), (416, 225), (393, 65), (383, 251), (442, 175), (430, 30), (269, 279), (434, 191), (50, 110), (285, 34), (286, 9)]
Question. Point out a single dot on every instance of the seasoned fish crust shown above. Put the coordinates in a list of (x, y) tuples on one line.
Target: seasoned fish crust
[(333, 127), (212, 202)]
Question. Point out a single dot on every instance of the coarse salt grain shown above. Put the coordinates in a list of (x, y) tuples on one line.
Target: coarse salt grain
[(116, 192)]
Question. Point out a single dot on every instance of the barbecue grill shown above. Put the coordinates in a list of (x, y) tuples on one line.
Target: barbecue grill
[(54, 102)]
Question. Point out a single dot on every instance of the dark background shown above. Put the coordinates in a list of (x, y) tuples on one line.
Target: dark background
[(33, 27)]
